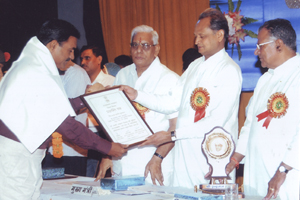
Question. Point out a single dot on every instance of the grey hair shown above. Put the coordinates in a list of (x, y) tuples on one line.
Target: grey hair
[(145, 29)]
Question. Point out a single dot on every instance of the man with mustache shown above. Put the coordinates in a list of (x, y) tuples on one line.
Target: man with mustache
[(33, 105), (206, 95), (146, 73), (269, 140), (91, 61)]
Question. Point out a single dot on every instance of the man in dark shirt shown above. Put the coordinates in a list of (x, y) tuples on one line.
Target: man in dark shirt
[(33, 105)]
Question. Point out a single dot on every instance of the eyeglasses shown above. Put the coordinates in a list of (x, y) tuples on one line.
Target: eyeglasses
[(145, 46), (258, 45)]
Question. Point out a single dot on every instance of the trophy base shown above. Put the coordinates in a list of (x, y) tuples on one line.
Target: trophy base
[(217, 189)]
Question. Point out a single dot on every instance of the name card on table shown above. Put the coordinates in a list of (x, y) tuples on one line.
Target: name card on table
[(82, 190)]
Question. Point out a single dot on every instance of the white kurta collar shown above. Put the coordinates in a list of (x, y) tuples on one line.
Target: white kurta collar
[(147, 80), (286, 67), (216, 57), (151, 69), (100, 77)]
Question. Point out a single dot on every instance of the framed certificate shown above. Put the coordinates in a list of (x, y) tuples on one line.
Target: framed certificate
[(117, 116)]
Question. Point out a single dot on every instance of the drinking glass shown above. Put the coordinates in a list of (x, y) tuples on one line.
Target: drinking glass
[(231, 192)]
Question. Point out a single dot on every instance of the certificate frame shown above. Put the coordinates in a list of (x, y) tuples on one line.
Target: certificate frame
[(117, 116)]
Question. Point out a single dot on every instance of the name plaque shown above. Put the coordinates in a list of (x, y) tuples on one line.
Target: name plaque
[(82, 190)]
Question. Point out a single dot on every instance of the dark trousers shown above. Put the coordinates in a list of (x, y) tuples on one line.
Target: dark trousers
[(74, 165)]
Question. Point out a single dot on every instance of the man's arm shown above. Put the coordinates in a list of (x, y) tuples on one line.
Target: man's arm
[(167, 103), (289, 162), (85, 138), (276, 181), (105, 164), (77, 104), (154, 165), (219, 114), (234, 162)]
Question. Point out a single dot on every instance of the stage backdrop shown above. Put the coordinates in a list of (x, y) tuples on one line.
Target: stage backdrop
[(262, 10), (174, 21)]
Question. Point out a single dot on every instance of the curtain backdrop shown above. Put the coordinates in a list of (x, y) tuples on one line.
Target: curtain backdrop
[(174, 21)]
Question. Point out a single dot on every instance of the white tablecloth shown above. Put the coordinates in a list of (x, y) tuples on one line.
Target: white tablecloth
[(60, 189)]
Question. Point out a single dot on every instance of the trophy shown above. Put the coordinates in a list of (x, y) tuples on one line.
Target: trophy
[(218, 147)]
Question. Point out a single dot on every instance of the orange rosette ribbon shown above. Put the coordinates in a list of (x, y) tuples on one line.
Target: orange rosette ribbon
[(141, 109), (57, 145), (199, 101), (277, 106)]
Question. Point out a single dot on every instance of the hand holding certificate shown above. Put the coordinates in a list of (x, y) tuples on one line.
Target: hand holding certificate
[(119, 119)]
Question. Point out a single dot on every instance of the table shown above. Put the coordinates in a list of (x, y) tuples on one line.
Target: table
[(60, 189)]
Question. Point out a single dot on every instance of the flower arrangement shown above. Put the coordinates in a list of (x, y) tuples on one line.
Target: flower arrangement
[(235, 24)]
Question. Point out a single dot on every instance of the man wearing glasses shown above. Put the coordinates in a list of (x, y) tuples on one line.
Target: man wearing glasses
[(206, 95), (147, 74), (269, 140)]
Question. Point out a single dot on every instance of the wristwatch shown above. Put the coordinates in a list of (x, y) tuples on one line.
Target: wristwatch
[(173, 135), (283, 169)]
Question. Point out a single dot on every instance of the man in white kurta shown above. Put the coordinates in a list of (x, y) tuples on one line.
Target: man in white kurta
[(221, 77), (157, 79), (265, 148), (218, 75), (269, 141), (147, 74)]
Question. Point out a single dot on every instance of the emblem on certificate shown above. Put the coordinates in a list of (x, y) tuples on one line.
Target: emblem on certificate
[(117, 116), (218, 147), (277, 106), (199, 101)]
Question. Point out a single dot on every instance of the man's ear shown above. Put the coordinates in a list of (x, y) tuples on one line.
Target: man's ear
[(51, 45), (157, 49), (220, 35), (99, 58), (279, 45)]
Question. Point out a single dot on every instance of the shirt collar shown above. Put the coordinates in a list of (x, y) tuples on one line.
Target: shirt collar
[(100, 77), (151, 68), (216, 57), (286, 67)]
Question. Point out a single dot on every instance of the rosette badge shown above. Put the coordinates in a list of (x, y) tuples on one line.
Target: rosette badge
[(277, 108), (277, 105), (199, 101)]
